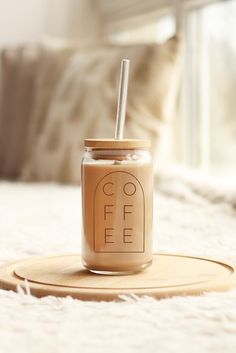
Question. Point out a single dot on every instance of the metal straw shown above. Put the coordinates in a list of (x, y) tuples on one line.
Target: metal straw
[(122, 98)]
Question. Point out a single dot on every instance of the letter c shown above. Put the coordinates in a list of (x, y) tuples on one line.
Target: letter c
[(105, 191)]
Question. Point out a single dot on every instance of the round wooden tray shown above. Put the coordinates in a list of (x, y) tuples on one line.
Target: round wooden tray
[(169, 275)]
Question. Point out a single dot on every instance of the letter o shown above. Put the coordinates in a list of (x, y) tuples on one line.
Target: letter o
[(129, 189)]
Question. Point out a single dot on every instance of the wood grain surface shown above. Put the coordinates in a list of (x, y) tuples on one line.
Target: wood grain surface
[(169, 275)]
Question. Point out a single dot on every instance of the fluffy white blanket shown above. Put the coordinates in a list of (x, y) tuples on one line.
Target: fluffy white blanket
[(193, 217)]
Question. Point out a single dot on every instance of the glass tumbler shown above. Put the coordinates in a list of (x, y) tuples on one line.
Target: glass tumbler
[(117, 204)]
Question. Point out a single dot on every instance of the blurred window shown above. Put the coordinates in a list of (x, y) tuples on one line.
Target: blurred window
[(153, 31), (208, 109), (210, 87)]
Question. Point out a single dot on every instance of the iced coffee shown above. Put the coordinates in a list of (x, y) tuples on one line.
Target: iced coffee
[(117, 192)]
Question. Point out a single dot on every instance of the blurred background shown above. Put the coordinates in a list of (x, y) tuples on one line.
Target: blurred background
[(59, 72)]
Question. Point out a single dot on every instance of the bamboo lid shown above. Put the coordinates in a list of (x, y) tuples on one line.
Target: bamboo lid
[(116, 144)]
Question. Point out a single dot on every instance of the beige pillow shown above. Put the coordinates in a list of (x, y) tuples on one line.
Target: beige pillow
[(18, 72), (51, 64), (84, 106)]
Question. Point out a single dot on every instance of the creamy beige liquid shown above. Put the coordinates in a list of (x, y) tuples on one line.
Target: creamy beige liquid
[(117, 216)]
